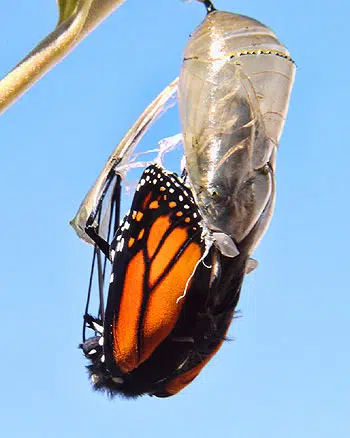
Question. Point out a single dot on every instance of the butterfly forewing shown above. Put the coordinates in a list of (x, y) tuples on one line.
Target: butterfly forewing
[(154, 254)]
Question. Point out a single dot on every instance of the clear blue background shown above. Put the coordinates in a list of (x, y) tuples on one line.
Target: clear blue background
[(286, 374)]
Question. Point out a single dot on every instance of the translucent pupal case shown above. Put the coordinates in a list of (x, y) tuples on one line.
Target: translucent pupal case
[(234, 91)]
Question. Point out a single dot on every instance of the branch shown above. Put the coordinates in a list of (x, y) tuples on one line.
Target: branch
[(77, 18)]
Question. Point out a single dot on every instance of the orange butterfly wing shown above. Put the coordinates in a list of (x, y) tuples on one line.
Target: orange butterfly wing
[(155, 252)]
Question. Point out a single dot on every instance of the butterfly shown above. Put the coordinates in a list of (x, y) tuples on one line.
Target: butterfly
[(171, 298)]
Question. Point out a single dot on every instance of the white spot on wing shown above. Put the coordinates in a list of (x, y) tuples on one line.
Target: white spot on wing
[(120, 245), (112, 255)]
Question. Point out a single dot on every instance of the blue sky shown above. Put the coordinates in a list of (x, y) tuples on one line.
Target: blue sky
[(286, 373)]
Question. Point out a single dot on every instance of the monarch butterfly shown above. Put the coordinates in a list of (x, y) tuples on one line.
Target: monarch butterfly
[(234, 90), (157, 343), (171, 296)]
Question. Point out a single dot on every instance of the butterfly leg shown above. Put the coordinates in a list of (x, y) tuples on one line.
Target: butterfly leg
[(100, 242), (93, 223)]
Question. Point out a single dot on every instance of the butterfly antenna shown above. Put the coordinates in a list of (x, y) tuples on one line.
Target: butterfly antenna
[(112, 228), (114, 217), (89, 293), (100, 285)]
